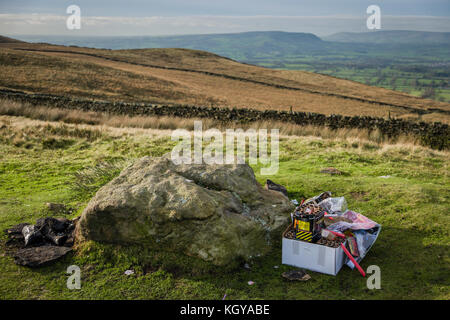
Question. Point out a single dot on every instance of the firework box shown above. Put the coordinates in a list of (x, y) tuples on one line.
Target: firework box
[(313, 256)]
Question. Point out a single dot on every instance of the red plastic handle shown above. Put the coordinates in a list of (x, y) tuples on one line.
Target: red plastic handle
[(349, 255)]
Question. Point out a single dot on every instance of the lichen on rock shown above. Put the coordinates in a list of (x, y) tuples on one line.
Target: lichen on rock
[(218, 213)]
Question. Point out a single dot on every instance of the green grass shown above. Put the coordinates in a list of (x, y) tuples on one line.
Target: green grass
[(412, 205)]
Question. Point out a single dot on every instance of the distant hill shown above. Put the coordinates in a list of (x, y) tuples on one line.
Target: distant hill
[(236, 45), (392, 37), (8, 40), (273, 45)]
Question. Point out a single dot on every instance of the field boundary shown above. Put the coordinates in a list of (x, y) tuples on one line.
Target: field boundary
[(435, 135)]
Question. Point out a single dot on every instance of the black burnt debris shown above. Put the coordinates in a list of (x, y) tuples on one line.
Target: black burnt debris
[(296, 275), (46, 241), (270, 185), (38, 256)]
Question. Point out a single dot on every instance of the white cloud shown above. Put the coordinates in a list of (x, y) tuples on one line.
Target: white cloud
[(49, 24)]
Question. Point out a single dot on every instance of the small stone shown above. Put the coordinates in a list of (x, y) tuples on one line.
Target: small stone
[(331, 170), (298, 275), (56, 207)]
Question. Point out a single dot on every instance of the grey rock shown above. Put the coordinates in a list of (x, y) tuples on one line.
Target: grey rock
[(218, 213)]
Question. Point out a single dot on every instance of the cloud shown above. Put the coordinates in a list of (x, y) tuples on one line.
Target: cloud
[(51, 24)]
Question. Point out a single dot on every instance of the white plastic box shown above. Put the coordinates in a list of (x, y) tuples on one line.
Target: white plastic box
[(314, 257)]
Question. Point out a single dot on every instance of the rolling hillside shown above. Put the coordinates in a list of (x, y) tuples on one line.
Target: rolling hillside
[(392, 36), (181, 76), (413, 62)]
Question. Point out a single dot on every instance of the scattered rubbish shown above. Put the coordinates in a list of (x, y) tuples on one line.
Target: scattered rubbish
[(294, 201), (296, 275), (15, 232), (224, 296), (349, 255), (327, 235), (47, 240), (250, 283), (331, 170), (247, 266), (331, 243), (306, 221), (324, 235), (384, 177), (39, 256), (129, 272), (331, 235), (31, 235), (353, 246), (270, 185), (276, 267), (334, 205), (333, 219)]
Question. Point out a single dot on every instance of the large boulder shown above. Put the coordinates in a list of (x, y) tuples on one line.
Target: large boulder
[(219, 213)]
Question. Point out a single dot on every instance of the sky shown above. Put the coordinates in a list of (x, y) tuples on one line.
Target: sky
[(173, 17)]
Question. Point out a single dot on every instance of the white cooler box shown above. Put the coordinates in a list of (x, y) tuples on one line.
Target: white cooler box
[(315, 257)]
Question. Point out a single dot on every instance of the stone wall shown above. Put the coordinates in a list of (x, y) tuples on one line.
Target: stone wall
[(435, 135)]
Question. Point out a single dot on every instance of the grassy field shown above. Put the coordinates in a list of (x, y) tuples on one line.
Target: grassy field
[(42, 161), (408, 61), (422, 80), (197, 78)]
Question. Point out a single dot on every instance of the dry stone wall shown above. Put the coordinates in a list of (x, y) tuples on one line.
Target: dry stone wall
[(435, 135)]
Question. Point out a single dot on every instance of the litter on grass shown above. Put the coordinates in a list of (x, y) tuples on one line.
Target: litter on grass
[(324, 221), (44, 242)]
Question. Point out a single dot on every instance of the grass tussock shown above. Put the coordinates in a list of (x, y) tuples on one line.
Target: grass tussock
[(90, 179)]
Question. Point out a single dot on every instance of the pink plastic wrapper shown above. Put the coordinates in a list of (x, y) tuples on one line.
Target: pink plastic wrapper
[(359, 222)]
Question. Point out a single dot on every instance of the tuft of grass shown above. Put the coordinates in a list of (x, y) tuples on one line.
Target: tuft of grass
[(88, 180)]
